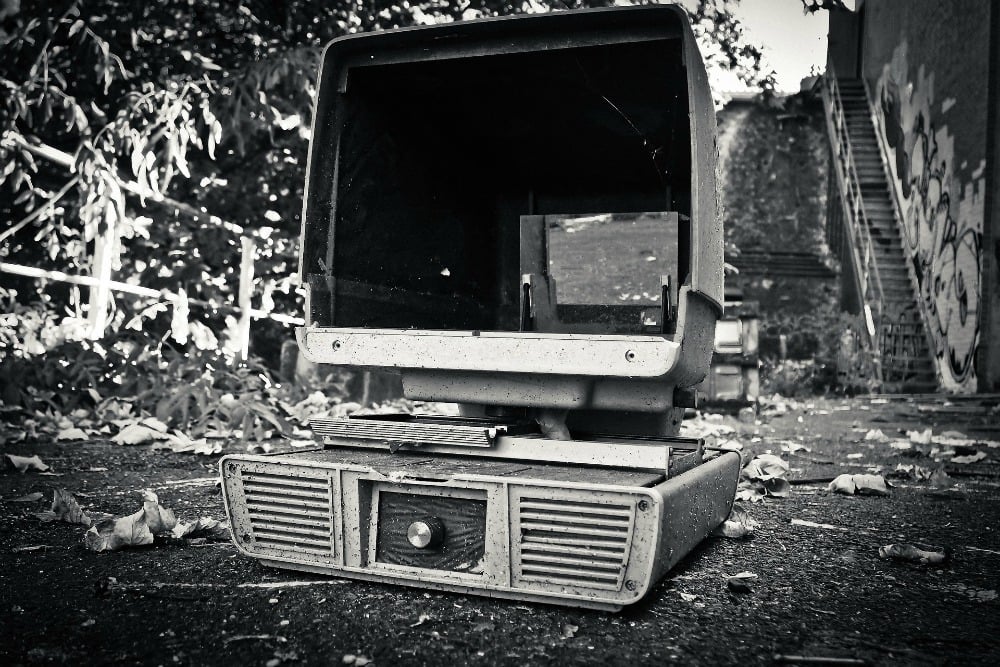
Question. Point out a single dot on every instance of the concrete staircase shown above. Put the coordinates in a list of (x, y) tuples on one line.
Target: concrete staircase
[(887, 287)]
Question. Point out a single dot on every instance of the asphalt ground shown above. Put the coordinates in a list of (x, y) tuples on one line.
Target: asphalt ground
[(820, 589)]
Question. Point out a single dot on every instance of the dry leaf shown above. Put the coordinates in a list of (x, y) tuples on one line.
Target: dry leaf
[(137, 434), (739, 525), (203, 527), (159, 519), (912, 553), (423, 618), (30, 498), (26, 463), (971, 458), (920, 437), (872, 485), (72, 433), (66, 509), (876, 435), (114, 534), (569, 630)]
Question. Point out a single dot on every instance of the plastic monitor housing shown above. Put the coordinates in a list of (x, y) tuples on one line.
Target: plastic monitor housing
[(443, 165)]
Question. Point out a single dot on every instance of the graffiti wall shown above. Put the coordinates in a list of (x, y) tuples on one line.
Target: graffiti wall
[(941, 194)]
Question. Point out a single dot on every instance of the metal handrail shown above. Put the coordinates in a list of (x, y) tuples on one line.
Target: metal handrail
[(855, 216), (898, 217)]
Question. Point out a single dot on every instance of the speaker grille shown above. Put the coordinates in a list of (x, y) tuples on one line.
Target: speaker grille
[(289, 513), (569, 543)]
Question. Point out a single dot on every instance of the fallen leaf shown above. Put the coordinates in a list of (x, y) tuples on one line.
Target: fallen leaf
[(26, 463), (423, 618), (912, 553), (855, 455), (920, 437), (873, 485), (738, 583), (203, 527), (688, 597), (30, 498), (65, 509), (159, 519), (116, 533), (764, 465), (911, 471), (971, 458), (876, 435), (790, 447), (483, 626), (72, 433), (901, 444), (739, 525), (137, 434), (569, 630)]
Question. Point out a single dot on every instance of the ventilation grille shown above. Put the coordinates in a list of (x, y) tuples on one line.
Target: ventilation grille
[(574, 543), (289, 513)]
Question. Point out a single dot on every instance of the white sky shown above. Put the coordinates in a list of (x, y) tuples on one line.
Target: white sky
[(792, 41)]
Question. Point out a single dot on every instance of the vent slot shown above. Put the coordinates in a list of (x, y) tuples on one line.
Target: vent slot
[(569, 543), (289, 513)]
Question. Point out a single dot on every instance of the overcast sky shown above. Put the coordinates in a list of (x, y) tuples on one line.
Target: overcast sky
[(792, 41)]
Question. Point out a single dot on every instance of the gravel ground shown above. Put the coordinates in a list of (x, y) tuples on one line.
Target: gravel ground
[(819, 591)]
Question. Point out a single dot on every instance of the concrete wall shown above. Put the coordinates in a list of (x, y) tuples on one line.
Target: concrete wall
[(927, 66)]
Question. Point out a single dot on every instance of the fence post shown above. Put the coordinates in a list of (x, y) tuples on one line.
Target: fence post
[(248, 248), (101, 269)]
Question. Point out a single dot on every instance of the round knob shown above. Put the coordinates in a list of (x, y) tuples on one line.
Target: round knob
[(426, 533)]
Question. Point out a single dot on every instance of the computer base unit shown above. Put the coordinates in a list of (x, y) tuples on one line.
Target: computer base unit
[(584, 536)]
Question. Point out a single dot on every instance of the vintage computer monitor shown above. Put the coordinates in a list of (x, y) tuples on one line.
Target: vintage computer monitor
[(518, 215)]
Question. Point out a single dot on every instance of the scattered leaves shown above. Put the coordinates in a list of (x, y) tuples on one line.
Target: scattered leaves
[(913, 553), (65, 509), (870, 485), (739, 525), (876, 435), (26, 463), (204, 527), (569, 630), (116, 533), (159, 519), (970, 458)]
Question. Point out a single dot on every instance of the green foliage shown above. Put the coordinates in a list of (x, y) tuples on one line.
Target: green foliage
[(177, 114)]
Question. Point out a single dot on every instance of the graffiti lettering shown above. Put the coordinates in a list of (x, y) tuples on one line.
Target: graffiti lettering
[(942, 216)]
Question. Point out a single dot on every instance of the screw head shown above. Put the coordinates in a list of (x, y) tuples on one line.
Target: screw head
[(643, 505), (336, 345), (631, 585), (630, 355)]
